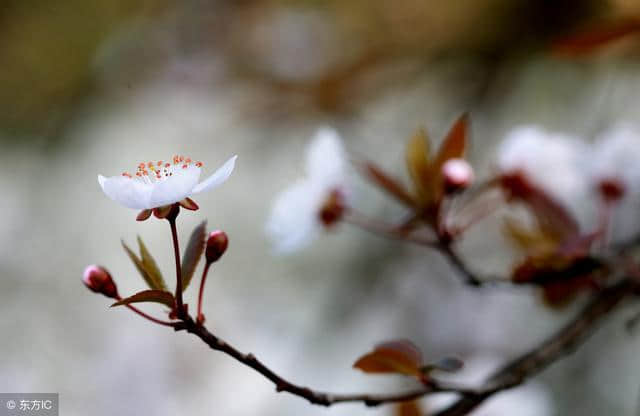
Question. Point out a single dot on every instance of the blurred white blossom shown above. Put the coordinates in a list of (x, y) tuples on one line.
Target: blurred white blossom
[(295, 215), (616, 155), (554, 161), (156, 183)]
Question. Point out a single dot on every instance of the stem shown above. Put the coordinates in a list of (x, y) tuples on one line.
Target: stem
[(176, 249), (313, 396), (386, 230), (199, 316), (514, 373), (148, 317)]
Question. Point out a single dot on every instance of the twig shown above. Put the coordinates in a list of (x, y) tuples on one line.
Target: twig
[(399, 233), (387, 230), (468, 276), (313, 396), (514, 373), (562, 343)]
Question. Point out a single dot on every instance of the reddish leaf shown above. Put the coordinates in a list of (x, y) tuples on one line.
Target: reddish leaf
[(418, 157), (389, 184), (157, 296), (561, 278), (552, 217), (596, 36), (560, 294), (454, 144), (400, 357), (193, 253), (411, 408)]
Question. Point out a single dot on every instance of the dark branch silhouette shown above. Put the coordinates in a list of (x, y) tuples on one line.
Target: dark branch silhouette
[(560, 344)]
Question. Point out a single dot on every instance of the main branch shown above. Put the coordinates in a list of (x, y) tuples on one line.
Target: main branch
[(560, 344)]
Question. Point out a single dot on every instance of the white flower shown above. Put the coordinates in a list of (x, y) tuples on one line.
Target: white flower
[(616, 159), (555, 162), (295, 216), (156, 184), (616, 155)]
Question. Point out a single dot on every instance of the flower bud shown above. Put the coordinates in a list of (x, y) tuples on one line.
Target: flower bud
[(457, 175), (98, 280), (216, 245)]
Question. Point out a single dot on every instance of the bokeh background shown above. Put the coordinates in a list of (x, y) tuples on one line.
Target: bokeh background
[(96, 87)]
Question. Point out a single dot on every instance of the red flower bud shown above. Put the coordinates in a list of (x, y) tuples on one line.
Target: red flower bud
[(216, 245), (98, 280), (457, 175)]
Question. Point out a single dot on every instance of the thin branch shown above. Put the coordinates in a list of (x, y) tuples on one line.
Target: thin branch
[(147, 316), (562, 343), (313, 396), (387, 230), (399, 233), (469, 277)]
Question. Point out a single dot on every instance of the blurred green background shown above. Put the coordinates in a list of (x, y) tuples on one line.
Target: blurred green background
[(96, 87)]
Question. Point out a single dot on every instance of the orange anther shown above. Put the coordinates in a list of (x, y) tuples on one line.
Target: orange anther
[(188, 160), (199, 164)]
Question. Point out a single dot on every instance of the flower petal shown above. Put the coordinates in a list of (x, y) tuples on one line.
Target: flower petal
[(555, 162), (294, 222), (218, 177), (326, 158), (175, 188), (126, 191)]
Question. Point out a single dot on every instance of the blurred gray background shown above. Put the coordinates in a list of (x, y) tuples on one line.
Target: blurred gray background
[(96, 87)]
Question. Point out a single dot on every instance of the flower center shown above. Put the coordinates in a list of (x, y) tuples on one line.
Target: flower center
[(333, 208), (152, 172)]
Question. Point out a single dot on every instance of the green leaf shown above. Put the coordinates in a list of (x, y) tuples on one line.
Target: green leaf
[(150, 266), (138, 263), (143, 268), (193, 253), (157, 296)]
